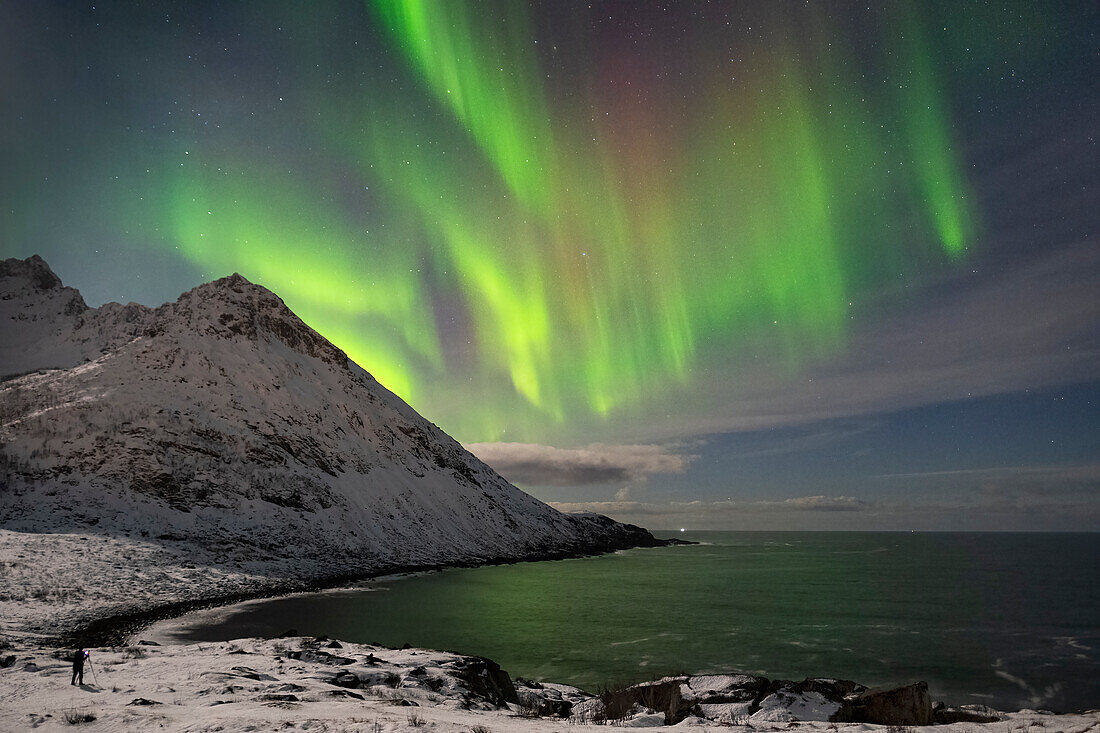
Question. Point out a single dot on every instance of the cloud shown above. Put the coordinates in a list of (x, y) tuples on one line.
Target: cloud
[(1009, 506), (716, 511), (1021, 483), (544, 465), (823, 504)]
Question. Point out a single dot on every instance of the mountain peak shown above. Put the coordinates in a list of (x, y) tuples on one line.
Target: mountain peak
[(33, 269), (235, 306)]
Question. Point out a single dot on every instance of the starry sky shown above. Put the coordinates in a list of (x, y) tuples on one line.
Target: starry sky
[(825, 265)]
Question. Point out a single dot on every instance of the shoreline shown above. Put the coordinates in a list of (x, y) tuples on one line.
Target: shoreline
[(99, 632), (121, 631)]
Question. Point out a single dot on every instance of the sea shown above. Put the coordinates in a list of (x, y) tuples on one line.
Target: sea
[(1002, 619)]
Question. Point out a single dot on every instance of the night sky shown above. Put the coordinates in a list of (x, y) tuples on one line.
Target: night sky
[(702, 264)]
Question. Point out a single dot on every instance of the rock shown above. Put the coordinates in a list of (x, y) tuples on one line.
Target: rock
[(727, 713), (246, 672), (288, 687), (835, 690), (789, 706), (965, 714), (142, 701), (722, 689), (345, 693), (906, 705), (487, 681), (7, 661), (345, 679), (592, 710), (144, 642), (645, 720), (277, 697), (664, 695), (334, 645), (319, 657), (544, 704)]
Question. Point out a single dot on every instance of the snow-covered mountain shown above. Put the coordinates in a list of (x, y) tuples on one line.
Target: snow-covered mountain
[(223, 421)]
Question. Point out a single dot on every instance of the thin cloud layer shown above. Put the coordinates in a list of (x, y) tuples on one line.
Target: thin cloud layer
[(717, 510), (532, 464), (1008, 499)]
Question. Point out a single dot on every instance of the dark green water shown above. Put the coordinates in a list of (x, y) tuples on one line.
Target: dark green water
[(1009, 620)]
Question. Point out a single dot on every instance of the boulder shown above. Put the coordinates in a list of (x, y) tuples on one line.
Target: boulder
[(589, 711), (787, 706), (345, 693), (719, 689), (664, 695), (246, 672), (645, 720), (318, 657), (830, 689), (724, 698), (965, 714), (486, 681), (906, 705), (345, 679), (276, 697), (544, 703)]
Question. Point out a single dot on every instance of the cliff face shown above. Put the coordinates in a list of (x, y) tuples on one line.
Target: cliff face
[(224, 421)]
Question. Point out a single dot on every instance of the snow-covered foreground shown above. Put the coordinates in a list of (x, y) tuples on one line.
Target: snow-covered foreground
[(322, 685), (52, 584)]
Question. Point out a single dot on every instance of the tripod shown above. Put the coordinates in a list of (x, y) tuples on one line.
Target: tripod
[(88, 659)]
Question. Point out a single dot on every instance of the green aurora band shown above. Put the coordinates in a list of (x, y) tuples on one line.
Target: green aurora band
[(534, 264)]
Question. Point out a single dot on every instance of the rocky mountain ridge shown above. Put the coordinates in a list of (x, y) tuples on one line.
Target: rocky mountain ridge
[(224, 421)]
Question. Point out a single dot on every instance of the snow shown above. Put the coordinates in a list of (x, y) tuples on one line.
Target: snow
[(782, 708), (258, 685)]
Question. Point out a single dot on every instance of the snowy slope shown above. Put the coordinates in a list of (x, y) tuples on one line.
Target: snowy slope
[(222, 422)]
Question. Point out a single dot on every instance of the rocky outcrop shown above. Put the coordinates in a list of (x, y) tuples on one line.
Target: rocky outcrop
[(485, 680), (905, 705), (944, 715), (743, 699), (728, 699)]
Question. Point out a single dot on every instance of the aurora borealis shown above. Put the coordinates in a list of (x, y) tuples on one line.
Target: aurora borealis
[(562, 224)]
